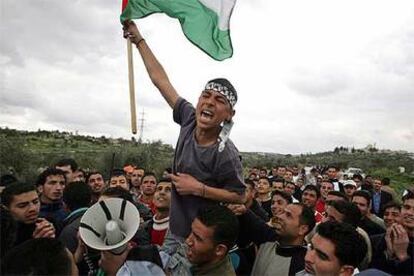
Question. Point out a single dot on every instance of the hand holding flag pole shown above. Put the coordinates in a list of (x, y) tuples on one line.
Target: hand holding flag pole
[(131, 78)]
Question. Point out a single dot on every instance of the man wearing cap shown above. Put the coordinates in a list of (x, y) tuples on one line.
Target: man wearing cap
[(349, 187), (207, 167)]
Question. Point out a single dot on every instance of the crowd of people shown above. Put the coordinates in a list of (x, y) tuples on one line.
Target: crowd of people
[(203, 216), (291, 223)]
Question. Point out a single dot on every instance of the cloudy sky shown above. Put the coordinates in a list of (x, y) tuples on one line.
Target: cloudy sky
[(310, 75)]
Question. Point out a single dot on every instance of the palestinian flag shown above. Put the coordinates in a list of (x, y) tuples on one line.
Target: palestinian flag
[(204, 22)]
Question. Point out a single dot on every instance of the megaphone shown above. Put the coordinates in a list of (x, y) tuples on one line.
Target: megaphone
[(109, 225)]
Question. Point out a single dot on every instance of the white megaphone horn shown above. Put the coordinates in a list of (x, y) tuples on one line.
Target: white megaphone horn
[(109, 225)]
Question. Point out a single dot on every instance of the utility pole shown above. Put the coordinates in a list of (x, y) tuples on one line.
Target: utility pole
[(141, 125)]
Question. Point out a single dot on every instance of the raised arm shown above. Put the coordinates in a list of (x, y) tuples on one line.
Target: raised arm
[(155, 70)]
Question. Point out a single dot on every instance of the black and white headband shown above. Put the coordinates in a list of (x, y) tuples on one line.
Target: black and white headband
[(229, 94)]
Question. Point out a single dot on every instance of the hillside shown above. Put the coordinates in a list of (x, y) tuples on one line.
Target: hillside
[(26, 152)]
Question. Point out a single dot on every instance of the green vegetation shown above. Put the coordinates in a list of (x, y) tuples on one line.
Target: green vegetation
[(26, 153)]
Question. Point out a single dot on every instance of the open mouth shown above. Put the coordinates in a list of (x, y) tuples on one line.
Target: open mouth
[(207, 114)]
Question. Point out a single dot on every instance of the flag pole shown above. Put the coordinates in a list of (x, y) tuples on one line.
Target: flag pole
[(131, 88)]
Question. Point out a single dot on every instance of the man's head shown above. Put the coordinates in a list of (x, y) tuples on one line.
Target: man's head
[(377, 184), (22, 201), (213, 234), (342, 211), (407, 212), (392, 213), (116, 192), (136, 177), (310, 196), (262, 173), (362, 199), (290, 188), (77, 195), (149, 182), (78, 175), (326, 187), (7, 179), (69, 166), (263, 186), (50, 184), (250, 191), (95, 180), (41, 256), (336, 195), (357, 178), (278, 184), (332, 172), (216, 104), (288, 175), (280, 199), (294, 223), (349, 188), (162, 196), (281, 170), (119, 179), (335, 249)]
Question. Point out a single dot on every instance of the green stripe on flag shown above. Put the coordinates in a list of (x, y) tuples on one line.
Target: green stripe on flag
[(199, 24)]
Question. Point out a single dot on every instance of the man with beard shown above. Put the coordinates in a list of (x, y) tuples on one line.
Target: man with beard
[(148, 186), (153, 231), (50, 185), (281, 249), (136, 178), (95, 180)]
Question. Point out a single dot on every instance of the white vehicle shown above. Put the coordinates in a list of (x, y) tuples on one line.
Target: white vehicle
[(351, 171)]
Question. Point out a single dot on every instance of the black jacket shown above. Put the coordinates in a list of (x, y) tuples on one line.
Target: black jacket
[(389, 264)]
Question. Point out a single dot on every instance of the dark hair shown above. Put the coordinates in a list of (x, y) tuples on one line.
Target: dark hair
[(41, 256), (168, 170), (7, 179), (392, 204), (291, 183), (224, 222), (77, 195), (307, 217), (265, 178), (350, 211), (249, 183), (226, 83), (408, 195), (350, 247), (311, 187), (363, 193), (278, 179), (386, 181), (149, 174), (8, 232), (284, 195), (118, 192), (164, 179), (357, 176), (41, 179), (13, 190), (338, 194), (332, 167), (90, 174), (67, 162), (117, 172)]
